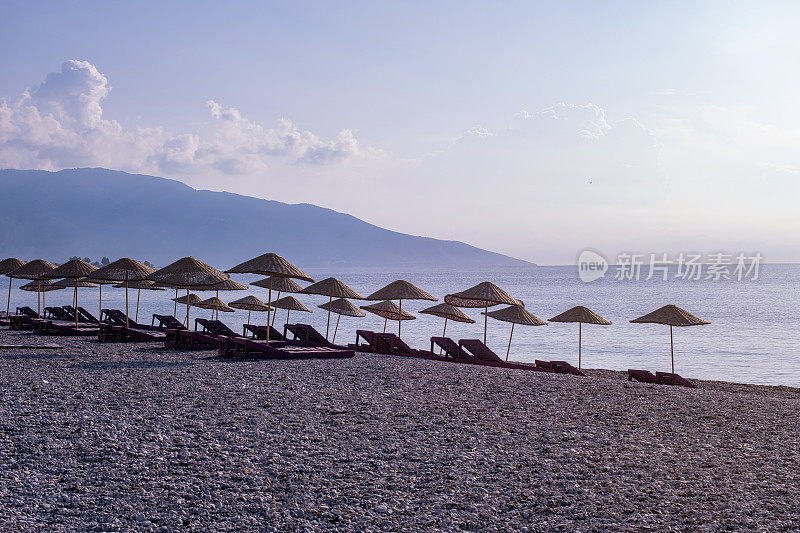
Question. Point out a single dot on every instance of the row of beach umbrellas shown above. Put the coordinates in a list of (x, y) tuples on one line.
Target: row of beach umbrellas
[(190, 274)]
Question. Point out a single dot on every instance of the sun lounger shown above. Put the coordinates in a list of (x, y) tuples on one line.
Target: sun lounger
[(59, 313), (260, 332), (393, 345), (451, 349), (307, 335), (167, 322), (645, 376), (214, 327), (61, 327), (242, 347), (559, 367), (83, 314), (140, 333), (486, 357), (372, 342), (668, 378), (23, 319), (183, 339)]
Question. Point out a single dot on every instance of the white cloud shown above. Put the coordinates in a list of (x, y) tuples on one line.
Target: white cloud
[(60, 124)]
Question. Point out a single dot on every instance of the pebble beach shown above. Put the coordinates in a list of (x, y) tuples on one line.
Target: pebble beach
[(121, 437)]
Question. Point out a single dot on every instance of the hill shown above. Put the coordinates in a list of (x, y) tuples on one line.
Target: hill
[(97, 212)]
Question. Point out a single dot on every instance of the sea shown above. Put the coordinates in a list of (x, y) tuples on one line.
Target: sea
[(753, 336)]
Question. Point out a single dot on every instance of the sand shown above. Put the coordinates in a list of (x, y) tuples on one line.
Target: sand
[(134, 437)]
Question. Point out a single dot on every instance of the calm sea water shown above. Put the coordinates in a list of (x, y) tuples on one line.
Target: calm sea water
[(753, 336)]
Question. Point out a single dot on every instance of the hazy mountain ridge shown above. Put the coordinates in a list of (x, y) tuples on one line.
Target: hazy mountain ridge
[(97, 212)]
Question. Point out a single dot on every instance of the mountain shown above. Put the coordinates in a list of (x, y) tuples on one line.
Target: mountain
[(96, 212)]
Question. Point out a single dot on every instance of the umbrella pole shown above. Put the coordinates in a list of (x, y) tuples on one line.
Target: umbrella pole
[(38, 298), (579, 344), (287, 316), (385, 320), (328, 328), (76, 302), (217, 312), (127, 314), (508, 350), (338, 317), (138, 295), (175, 313), (275, 315), (671, 350), (187, 307), (400, 322), (269, 308), (248, 315), (485, 322), (8, 303), (444, 331), (101, 301)]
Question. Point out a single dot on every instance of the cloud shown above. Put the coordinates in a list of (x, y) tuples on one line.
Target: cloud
[(60, 124)]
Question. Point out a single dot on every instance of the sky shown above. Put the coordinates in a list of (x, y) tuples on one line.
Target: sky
[(533, 129)]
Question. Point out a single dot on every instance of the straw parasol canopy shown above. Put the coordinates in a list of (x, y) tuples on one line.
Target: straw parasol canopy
[(215, 304), (279, 284), (332, 288), (123, 271), (137, 284), (249, 304), (582, 315), (344, 307), (32, 270), (671, 315), (290, 303), (188, 273), (69, 283), (7, 266), (485, 294), (74, 270), (400, 290), (448, 312), (271, 265), (191, 299), (516, 315), (41, 286), (388, 311), (341, 307)]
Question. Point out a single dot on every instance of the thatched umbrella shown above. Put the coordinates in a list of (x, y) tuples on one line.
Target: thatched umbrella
[(41, 287), (290, 303), (486, 295), (188, 273), (582, 315), (138, 284), (671, 315), (227, 285), (400, 290), (516, 315), (32, 270), (191, 298), (280, 285), (249, 303), (69, 283), (122, 271), (448, 312), (215, 304), (6, 267), (271, 265), (73, 270), (388, 311), (341, 307), (332, 288)]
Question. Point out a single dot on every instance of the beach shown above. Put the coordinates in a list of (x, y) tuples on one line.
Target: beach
[(110, 437)]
